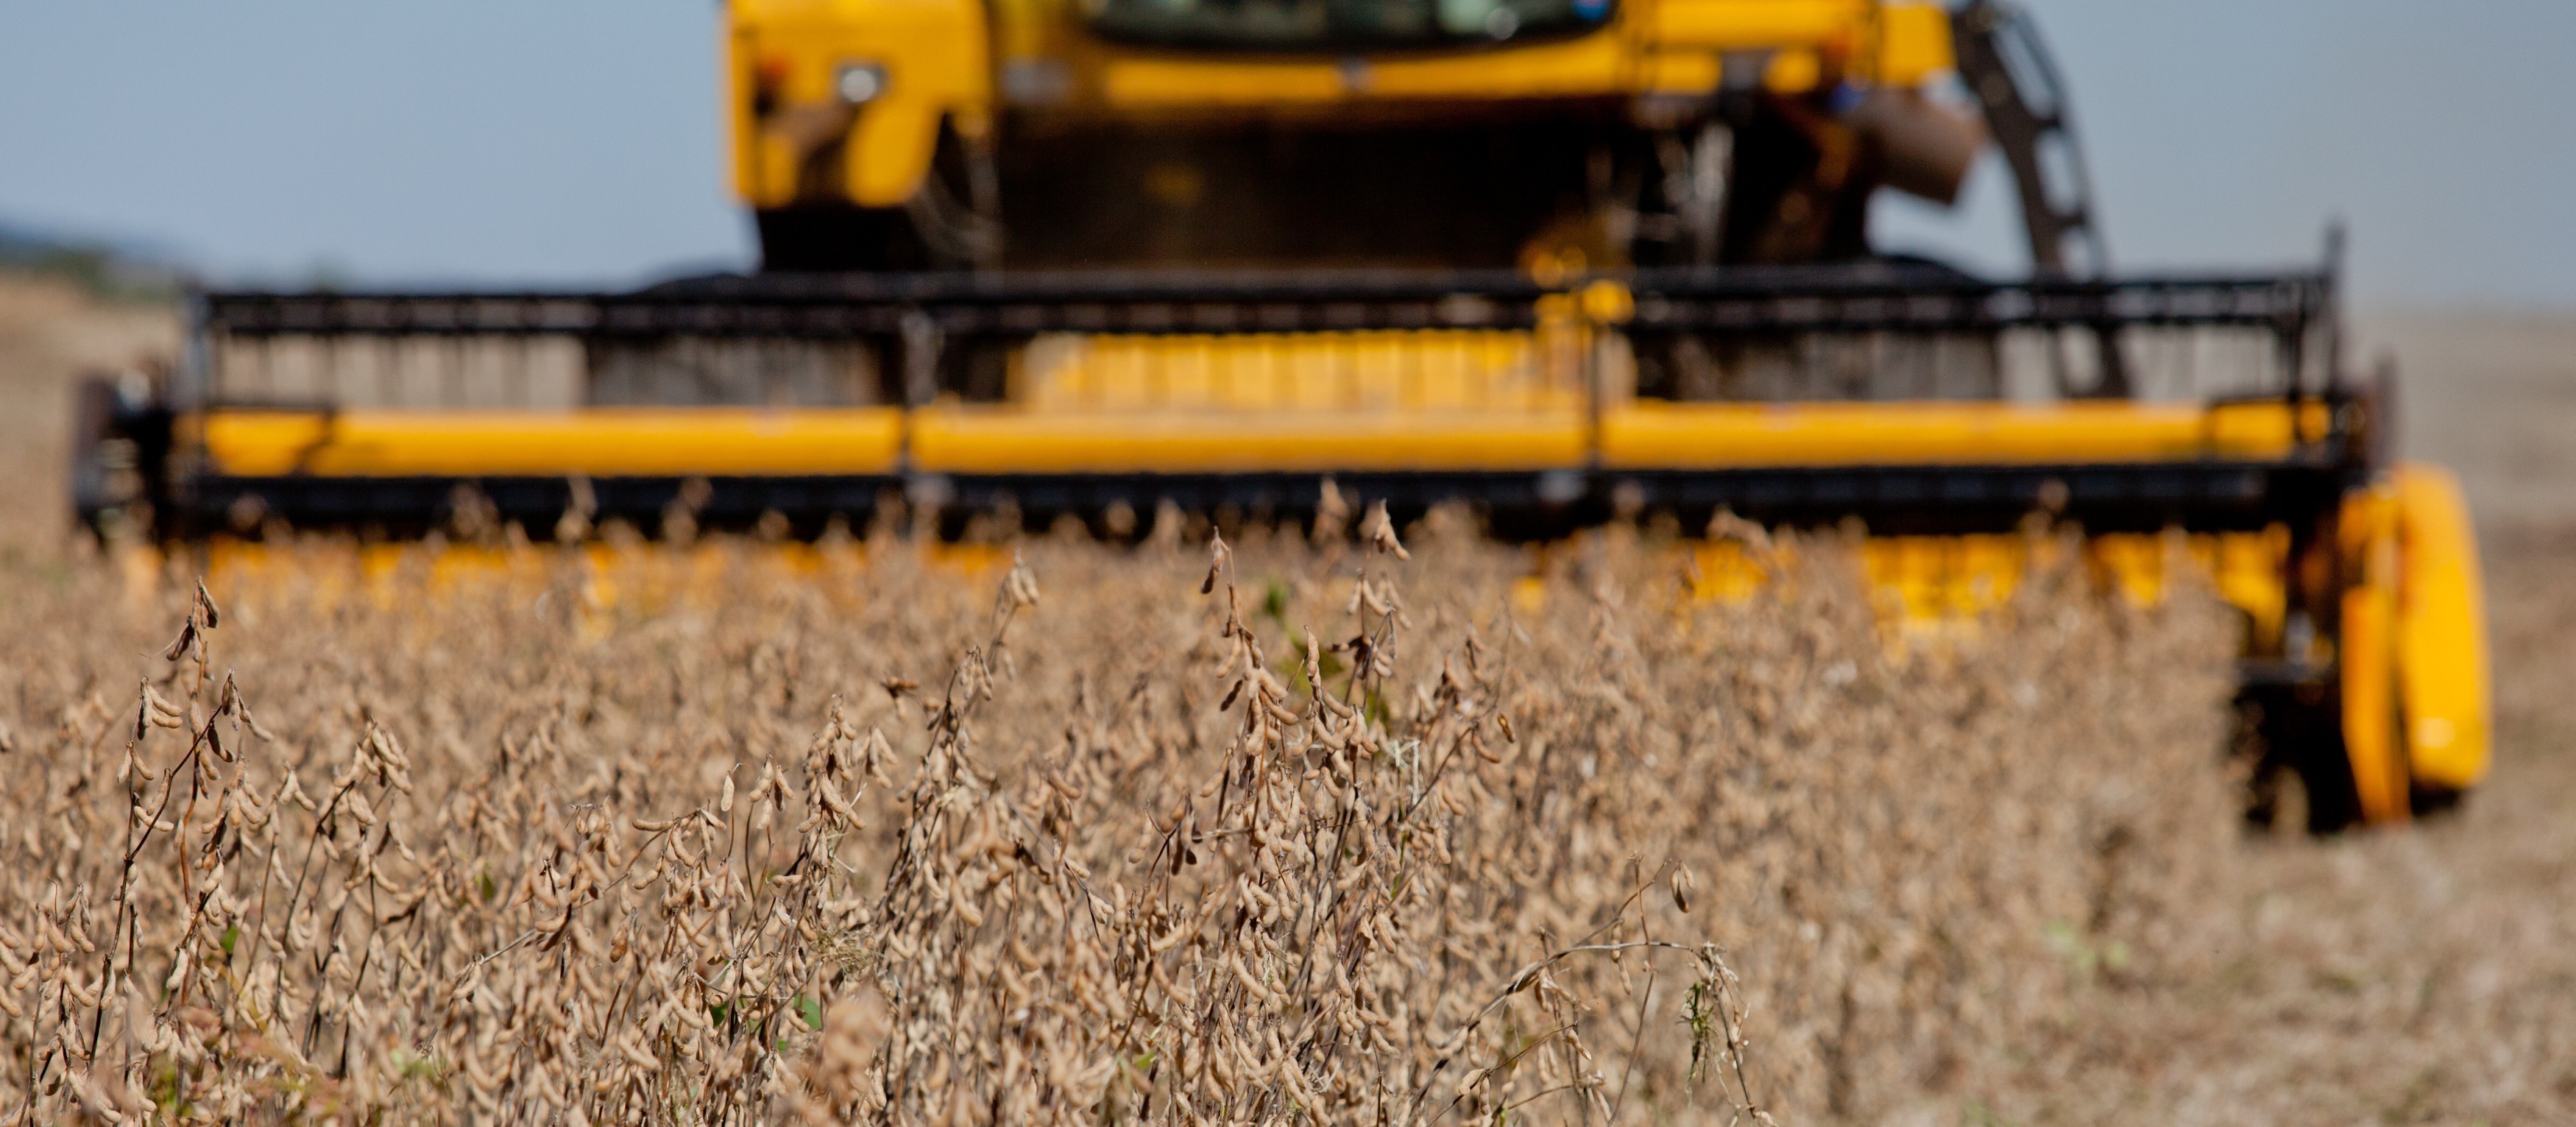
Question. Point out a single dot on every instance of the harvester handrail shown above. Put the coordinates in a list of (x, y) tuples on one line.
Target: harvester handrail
[(913, 324)]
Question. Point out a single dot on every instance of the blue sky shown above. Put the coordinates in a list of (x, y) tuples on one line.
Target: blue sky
[(575, 141)]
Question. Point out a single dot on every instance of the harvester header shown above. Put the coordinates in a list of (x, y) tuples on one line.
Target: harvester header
[(1561, 261), (820, 398)]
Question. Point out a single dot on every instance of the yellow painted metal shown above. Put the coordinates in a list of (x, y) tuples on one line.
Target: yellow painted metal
[(974, 440), (1793, 70), (1679, 72), (2139, 568), (1933, 586), (1476, 371), (1746, 25), (2366, 654), (1214, 406), (1183, 82), (944, 59), (936, 67), (607, 442), (1913, 44), (1728, 571), (600, 587), (2443, 688), (1595, 65), (1101, 422), (2252, 572), (1944, 582), (1723, 435)]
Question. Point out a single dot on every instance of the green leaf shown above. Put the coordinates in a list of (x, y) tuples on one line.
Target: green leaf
[(1374, 706), (810, 1010)]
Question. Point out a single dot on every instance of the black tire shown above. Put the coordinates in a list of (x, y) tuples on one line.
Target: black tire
[(2299, 733), (2436, 801)]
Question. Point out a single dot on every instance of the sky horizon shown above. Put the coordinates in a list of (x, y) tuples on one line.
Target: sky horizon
[(578, 144)]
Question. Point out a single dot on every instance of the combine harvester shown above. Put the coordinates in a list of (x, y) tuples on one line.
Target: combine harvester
[(1563, 260)]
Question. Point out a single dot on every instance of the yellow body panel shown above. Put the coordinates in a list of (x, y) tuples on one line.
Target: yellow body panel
[(1107, 426), (2252, 572), (936, 68), (1792, 70), (1593, 65), (2443, 688), (2367, 654), (970, 440), (645, 441), (1477, 371), (1943, 581), (1715, 436), (945, 60), (1931, 586), (1913, 44), (1680, 72), (1741, 25), (1167, 83)]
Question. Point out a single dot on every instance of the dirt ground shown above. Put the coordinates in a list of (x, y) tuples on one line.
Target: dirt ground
[(49, 333), (2424, 976)]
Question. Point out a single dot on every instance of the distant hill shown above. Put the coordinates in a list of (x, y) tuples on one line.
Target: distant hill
[(104, 267)]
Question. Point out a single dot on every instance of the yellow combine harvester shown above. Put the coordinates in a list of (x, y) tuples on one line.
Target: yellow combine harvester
[(1563, 260)]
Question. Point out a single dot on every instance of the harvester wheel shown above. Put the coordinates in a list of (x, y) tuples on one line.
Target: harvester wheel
[(2326, 786), (2437, 801), (2301, 778), (2324, 790)]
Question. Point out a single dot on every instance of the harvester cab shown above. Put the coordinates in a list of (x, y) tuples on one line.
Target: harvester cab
[(1563, 261), (1270, 134)]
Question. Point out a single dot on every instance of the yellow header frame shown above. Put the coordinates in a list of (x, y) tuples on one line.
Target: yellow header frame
[(695, 441)]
